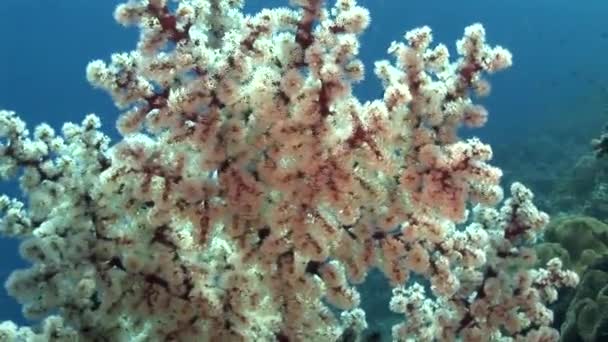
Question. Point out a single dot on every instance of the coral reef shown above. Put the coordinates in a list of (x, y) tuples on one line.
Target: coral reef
[(587, 317), (579, 241), (252, 191), (553, 157), (583, 190), (576, 240)]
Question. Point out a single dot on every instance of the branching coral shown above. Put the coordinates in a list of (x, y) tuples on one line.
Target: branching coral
[(251, 190)]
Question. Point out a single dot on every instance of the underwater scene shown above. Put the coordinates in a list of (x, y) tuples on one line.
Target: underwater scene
[(303, 170)]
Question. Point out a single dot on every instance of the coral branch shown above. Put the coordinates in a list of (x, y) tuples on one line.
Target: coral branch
[(251, 190)]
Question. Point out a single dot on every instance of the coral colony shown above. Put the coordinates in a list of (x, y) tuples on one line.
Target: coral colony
[(251, 191)]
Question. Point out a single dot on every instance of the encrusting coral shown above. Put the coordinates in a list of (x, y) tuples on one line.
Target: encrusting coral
[(578, 240), (587, 318), (251, 190)]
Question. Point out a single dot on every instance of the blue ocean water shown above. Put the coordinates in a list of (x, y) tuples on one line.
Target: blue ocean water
[(559, 78)]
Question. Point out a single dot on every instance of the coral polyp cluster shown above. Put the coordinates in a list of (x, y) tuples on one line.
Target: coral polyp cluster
[(252, 191)]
